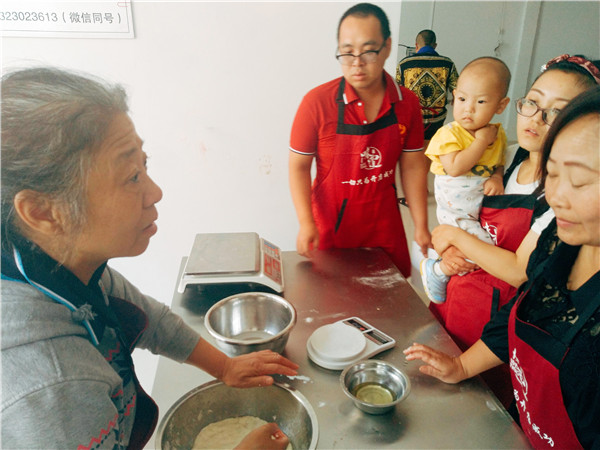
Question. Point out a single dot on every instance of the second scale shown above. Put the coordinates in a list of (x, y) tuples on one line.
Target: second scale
[(223, 259), (339, 344)]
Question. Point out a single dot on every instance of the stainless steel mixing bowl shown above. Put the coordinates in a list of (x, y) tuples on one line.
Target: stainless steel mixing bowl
[(215, 401), (377, 373), (251, 321)]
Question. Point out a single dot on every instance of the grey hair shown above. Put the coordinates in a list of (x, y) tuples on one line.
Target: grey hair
[(52, 123)]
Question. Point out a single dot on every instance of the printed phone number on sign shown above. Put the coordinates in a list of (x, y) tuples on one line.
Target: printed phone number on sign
[(74, 17), (28, 16)]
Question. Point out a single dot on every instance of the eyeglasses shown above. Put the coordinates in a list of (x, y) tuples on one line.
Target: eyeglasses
[(368, 57), (529, 108)]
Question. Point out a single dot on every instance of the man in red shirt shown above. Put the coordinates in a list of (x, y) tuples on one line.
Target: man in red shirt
[(358, 127)]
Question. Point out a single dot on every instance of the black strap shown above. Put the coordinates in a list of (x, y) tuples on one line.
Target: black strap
[(360, 130), (495, 302), (341, 214), (541, 205), (507, 201), (520, 156), (546, 345)]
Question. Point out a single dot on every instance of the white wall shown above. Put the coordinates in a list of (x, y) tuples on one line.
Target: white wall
[(213, 87)]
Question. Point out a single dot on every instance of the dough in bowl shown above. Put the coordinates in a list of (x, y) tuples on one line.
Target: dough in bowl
[(227, 433)]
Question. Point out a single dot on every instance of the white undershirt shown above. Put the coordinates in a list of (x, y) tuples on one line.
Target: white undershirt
[(513, 187)]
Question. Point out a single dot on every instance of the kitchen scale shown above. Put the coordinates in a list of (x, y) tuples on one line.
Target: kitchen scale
[(233, 259), (340, 344)]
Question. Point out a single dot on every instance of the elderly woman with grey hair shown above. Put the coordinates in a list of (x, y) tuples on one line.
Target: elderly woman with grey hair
[(75, 193)]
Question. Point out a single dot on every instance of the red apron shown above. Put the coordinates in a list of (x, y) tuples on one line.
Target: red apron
[(355, 203), (472, 300), (535, 360)]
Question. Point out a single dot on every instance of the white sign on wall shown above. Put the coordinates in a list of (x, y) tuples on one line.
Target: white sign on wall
[(74, 19)]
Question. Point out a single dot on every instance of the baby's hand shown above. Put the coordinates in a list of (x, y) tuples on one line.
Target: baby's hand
[(487, 134), (493, 186)]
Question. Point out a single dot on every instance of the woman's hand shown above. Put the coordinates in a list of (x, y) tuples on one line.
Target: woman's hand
[(442, 237), (439, 365), (455, 263), (253, 369), (268, 436)]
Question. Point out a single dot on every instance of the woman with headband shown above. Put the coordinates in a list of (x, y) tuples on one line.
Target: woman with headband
[(517, 218), (550, 331)]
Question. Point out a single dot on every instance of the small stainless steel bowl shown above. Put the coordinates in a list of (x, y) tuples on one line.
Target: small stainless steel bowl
[(215, 401), (379, 376), (250, 322)]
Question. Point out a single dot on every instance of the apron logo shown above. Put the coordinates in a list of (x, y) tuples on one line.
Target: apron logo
[(370, 158), (372, 179), (515, 366), (519, 374), (493, 232)]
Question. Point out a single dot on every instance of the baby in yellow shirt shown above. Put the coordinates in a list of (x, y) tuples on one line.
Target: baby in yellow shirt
[(468, 158)]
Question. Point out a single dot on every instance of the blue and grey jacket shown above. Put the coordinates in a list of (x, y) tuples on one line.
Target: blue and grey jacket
[(67, 376)]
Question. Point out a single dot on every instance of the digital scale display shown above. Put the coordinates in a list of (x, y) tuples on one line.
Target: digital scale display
[(371, 333), (340, 344), (272, 262)]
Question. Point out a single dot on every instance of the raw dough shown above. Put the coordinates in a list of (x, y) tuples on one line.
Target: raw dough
[(227, 433)]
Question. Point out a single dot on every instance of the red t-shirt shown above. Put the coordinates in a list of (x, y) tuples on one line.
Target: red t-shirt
[(315, 124)]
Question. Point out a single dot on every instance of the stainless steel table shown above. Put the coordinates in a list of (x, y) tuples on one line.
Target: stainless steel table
[(337, 284)]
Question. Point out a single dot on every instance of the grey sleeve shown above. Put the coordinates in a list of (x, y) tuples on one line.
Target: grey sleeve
[(166, 334), (84, 417)]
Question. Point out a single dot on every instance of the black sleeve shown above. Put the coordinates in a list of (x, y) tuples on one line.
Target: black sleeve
[(495, 332)]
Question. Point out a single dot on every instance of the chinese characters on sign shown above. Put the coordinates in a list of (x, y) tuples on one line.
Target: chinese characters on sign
[(80, 19)]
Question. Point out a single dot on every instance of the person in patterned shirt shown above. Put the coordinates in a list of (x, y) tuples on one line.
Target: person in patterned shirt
[(430, 76)]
